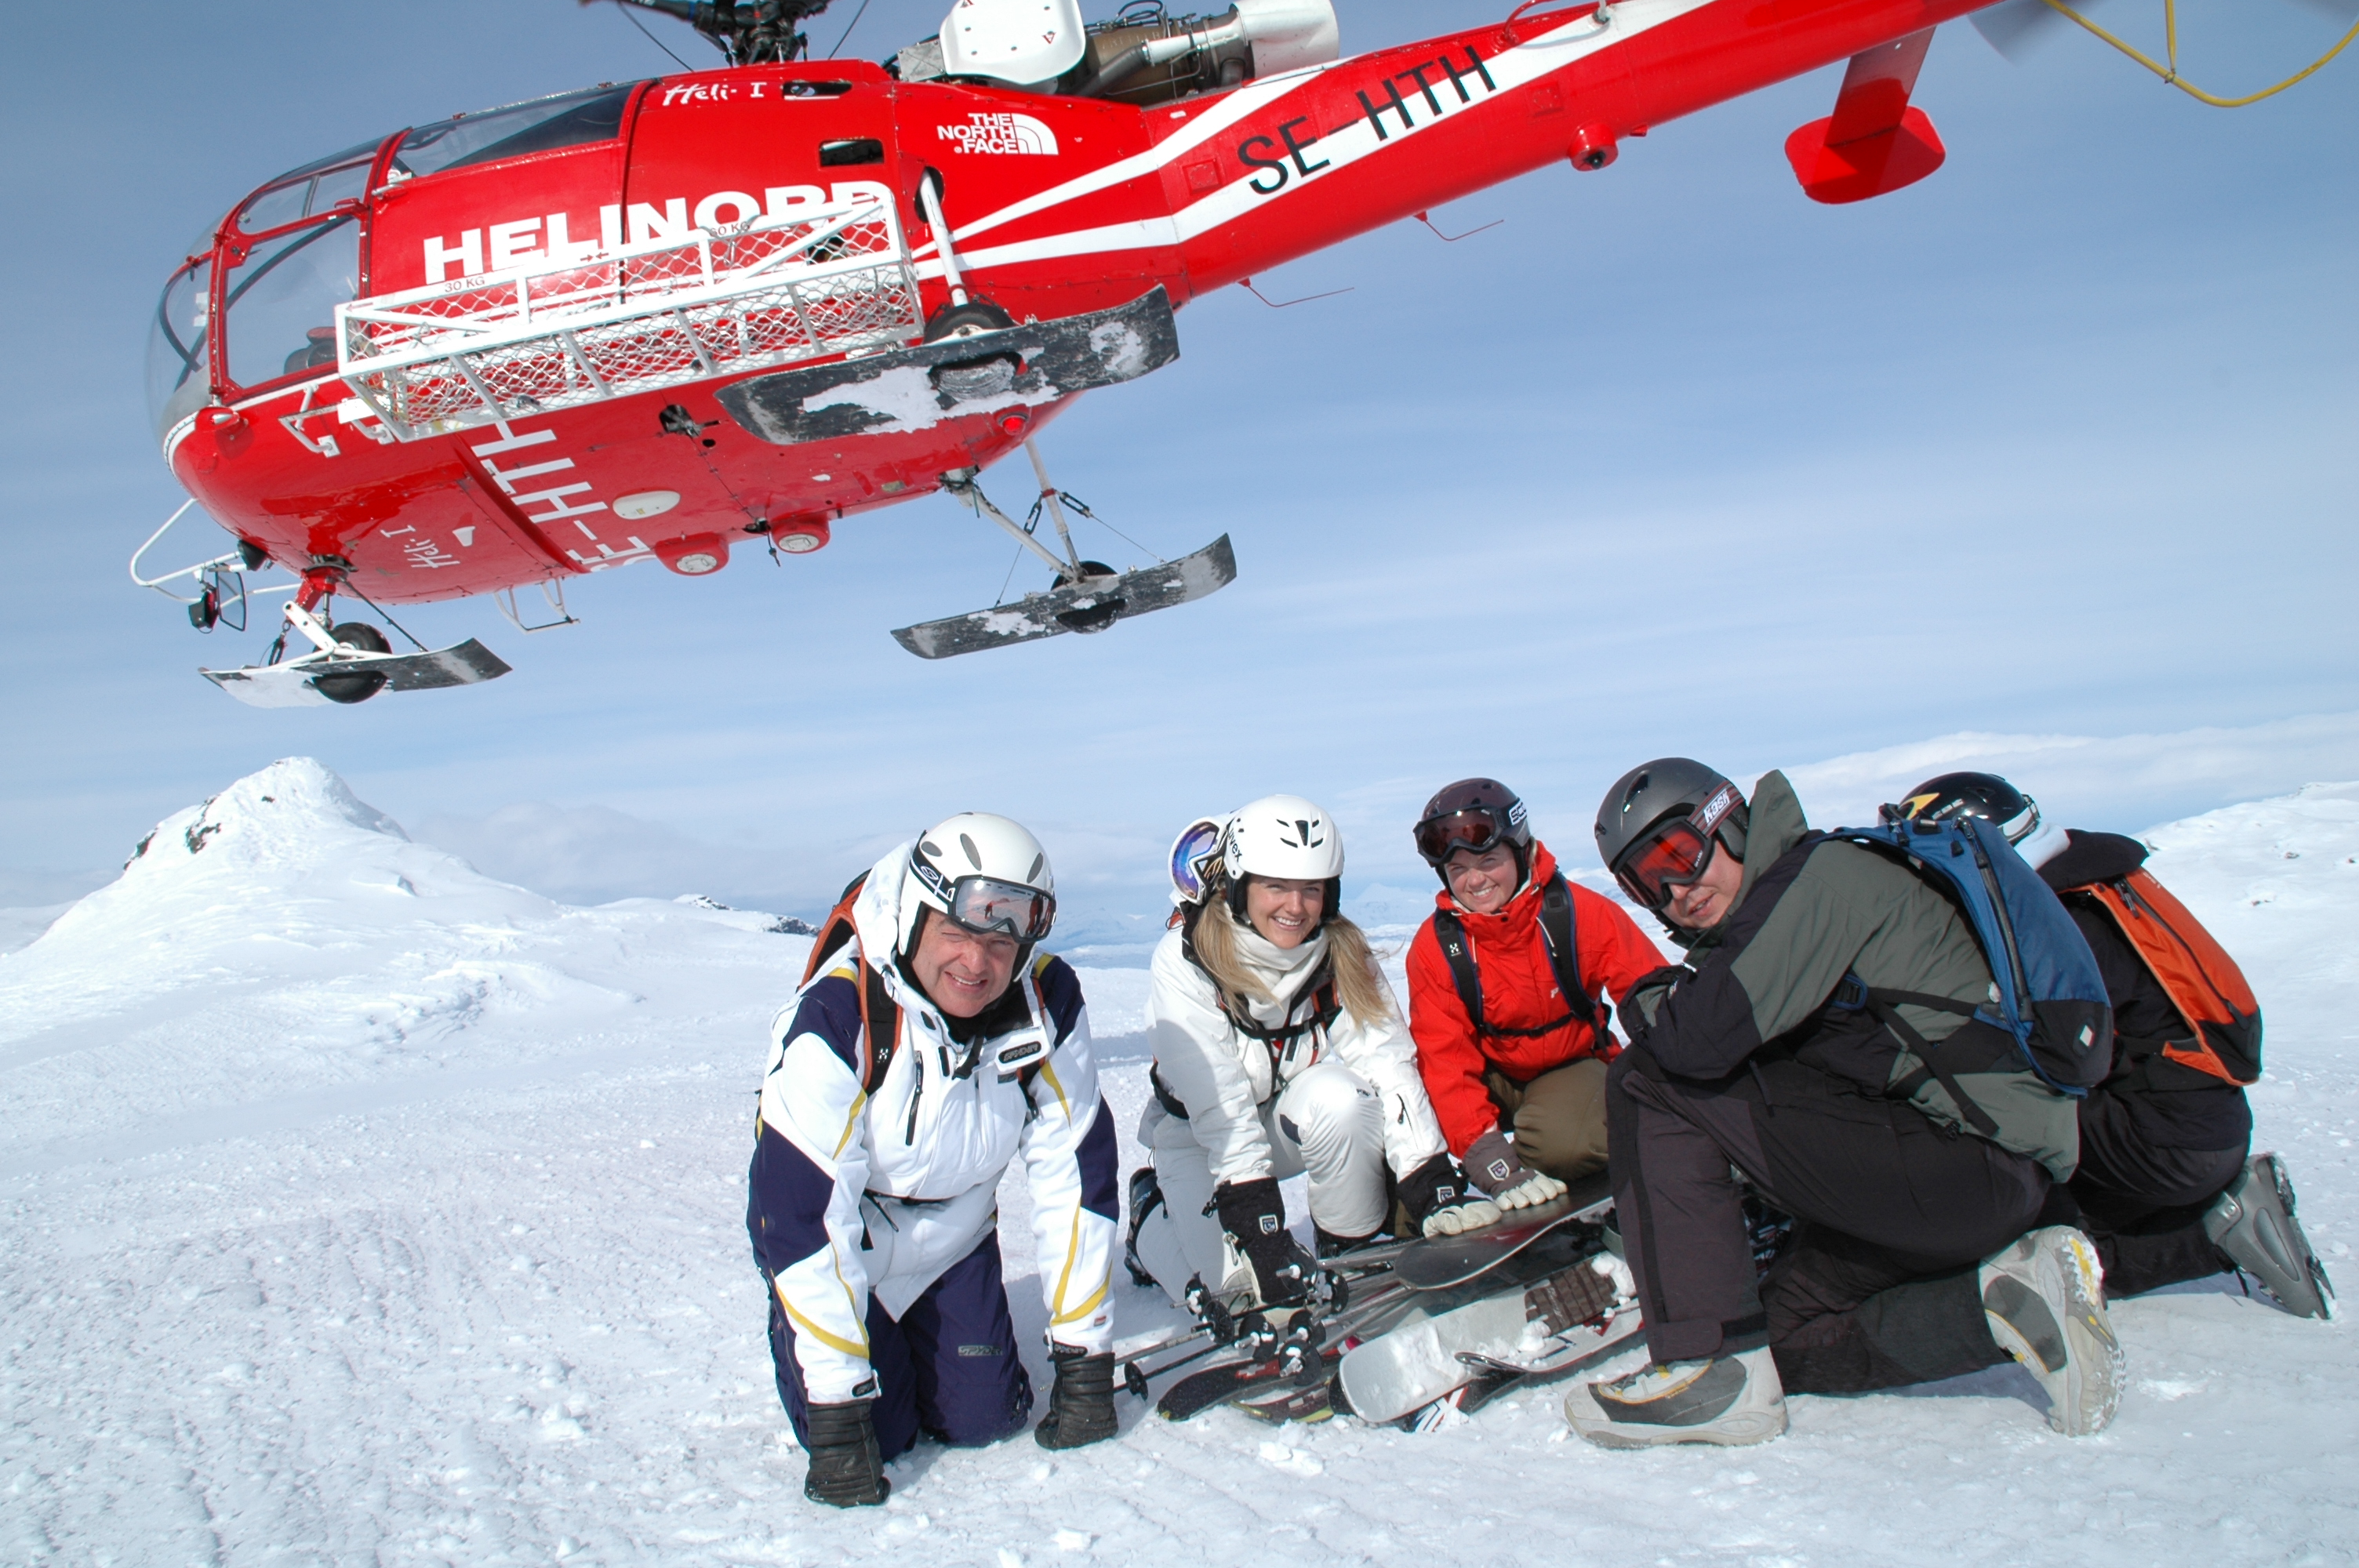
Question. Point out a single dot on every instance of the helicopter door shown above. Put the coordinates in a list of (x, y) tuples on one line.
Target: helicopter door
[(714, 150)]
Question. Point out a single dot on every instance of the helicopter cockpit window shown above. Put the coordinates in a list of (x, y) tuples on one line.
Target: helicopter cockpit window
[(542, 125), (314, 187), (281, 301), (178, 339)]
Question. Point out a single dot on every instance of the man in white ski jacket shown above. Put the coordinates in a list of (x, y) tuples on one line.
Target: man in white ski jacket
[(872, 1203)]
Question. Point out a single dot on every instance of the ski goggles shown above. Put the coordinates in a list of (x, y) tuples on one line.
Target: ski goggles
[(1191, 856), (988, 905), (1672, 855), (1674, 852), (1476, 829)]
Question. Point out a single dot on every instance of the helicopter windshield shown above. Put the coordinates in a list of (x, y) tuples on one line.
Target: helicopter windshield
[(178, 343), (314, 187), (281, 301), (542, 125)]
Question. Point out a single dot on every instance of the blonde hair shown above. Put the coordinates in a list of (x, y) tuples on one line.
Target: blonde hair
[(1213, 936)]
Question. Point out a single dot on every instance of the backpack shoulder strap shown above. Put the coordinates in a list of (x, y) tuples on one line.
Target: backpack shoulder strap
[(880, 1027), (1451, 932), (1564, 956)]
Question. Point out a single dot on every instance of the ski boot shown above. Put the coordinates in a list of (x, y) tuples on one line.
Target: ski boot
[(1731, 1401), (2044, 1299), (1145, 1197), (2253, 1226)]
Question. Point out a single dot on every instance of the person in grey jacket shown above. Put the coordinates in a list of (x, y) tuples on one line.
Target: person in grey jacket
[(1909, 1260)]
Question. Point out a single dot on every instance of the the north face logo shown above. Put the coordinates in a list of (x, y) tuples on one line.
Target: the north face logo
[(1000, 134)]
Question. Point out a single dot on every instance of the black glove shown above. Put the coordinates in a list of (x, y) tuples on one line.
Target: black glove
[(1491, 1161), (846, 1471), (1432, 1185), (1255, 1217), (1081, 1405)]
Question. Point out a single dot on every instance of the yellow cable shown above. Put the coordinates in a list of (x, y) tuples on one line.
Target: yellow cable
[(2169, 73)]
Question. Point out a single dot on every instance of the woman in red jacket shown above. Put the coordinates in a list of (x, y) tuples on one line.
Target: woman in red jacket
[(1502, 985)]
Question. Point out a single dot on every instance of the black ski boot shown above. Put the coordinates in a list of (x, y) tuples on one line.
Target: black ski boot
[(1145, 1197), (2253, 1226)]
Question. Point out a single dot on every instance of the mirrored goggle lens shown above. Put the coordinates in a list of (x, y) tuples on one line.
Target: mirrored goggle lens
[(1673, 856), (985, 904), (1440, 837), (1189, 853)]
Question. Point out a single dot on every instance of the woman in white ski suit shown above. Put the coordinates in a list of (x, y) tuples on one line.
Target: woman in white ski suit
[(1252, 1088)]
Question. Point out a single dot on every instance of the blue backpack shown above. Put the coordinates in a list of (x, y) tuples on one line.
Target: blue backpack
[(2046, 992)]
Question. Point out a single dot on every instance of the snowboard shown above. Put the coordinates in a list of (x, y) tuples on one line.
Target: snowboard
[(1547, 1324), (1440, 1262)]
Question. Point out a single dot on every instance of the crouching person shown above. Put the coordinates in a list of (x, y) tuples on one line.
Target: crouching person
[(1277, 1052), (2167, 1186), (930, 1045), (1504, 978), (1814, 1040)]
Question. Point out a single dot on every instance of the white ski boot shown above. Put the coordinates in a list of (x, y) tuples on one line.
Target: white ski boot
[(2044, 1299), (2253, 1226), (1730, 1400)]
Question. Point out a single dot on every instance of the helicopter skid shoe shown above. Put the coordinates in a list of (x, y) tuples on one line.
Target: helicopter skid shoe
[(345, 677), (1091, 604), (910, 389)]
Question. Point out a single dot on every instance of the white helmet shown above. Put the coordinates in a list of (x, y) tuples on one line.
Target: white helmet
[(984, 872), (1281, 836)]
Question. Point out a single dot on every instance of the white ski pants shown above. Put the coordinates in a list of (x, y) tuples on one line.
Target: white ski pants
[(1326, 1121)]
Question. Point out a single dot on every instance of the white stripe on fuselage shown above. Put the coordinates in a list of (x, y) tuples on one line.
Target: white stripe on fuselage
[(1518, 67)]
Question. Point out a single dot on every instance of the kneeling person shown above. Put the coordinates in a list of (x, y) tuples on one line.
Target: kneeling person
[(1277, 1050), (1779, 1049), (933, 1046), (1503, 984), (2167, 1186)]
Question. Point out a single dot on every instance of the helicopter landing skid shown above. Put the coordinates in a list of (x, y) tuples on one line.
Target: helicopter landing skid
[(310, 680), (910, 389), (1089, 605), (337, 672)]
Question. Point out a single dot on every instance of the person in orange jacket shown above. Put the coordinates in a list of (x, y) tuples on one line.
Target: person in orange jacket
[(1504, 979)]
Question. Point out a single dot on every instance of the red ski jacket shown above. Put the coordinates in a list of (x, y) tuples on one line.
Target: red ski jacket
[(1519, 992)]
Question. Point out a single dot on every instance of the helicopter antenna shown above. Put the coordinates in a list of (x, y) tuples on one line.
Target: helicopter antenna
[(761, 32)]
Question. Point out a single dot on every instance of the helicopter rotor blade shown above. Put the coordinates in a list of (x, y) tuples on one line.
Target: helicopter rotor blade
[(2017, 28)]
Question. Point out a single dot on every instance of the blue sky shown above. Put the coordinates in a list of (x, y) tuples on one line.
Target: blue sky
[(2060, 447)]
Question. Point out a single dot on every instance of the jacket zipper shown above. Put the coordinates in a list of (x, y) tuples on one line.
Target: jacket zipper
[(917, 1066)]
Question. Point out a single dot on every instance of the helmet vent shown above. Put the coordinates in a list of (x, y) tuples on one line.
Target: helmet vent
[(973, 855)]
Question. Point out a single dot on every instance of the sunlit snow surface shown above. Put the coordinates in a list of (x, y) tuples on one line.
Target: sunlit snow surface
[(359, 1208)]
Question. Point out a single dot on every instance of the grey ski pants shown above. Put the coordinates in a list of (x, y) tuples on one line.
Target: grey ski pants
[(1877, 1286)]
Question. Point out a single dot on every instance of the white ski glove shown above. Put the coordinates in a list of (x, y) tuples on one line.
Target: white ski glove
[(1472, 1213), (1537, 1187), (1491, 1160)]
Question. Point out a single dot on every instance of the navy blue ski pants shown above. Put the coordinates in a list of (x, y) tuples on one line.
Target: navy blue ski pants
[(948, 1369)]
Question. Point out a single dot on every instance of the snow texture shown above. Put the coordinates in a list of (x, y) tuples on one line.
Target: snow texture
[(361, 1208)]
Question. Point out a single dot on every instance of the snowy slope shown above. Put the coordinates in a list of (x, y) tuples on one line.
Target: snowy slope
[(361, 1208)]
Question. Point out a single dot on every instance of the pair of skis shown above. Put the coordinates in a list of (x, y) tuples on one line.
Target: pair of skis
[(1421, 1320)]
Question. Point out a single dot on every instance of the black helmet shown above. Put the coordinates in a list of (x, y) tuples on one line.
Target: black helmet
[(1985, 795), (1474, 814), (1669, 789)]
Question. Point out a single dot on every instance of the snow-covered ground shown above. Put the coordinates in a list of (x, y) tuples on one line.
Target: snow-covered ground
[(357, 1208)]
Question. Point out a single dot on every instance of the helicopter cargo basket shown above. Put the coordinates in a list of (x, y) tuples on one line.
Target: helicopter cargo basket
[(773, 291)]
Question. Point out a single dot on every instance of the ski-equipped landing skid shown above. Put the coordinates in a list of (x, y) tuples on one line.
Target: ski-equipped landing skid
[(336, 672), (1086, 596)]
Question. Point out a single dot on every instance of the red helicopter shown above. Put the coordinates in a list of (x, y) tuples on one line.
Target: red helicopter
[(660, 319)]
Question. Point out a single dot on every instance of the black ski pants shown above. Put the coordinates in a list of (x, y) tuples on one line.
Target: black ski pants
[(1877, 1284), (2143, 1205)]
